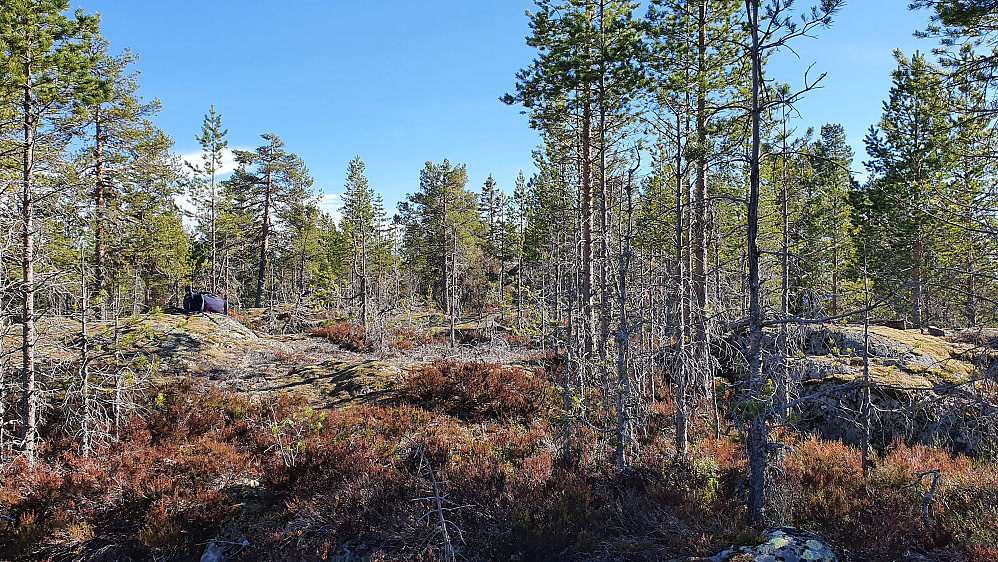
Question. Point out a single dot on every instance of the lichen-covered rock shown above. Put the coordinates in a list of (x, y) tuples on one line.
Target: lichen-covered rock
[(924, 388), (783, 544)]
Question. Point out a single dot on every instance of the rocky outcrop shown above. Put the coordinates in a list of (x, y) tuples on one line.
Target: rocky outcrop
[(341, 383), (924, 388), (782, 544)]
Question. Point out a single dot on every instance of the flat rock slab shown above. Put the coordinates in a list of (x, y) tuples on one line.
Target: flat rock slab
[(338, 383)]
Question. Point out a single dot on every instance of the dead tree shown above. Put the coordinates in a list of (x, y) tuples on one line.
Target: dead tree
[(623, 329), (779, 28)]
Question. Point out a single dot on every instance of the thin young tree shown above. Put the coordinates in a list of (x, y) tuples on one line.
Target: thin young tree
[(770, 27), (47, 66), (213, 146)]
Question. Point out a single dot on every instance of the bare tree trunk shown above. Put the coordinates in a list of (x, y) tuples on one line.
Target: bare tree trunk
[(782, 394), (519, 283), (214, 243), (865, 404), (557, 279), (261, 278), (363, 281), (119, 382), (971, 292), (453, 286), (100, 208), (445, 277), (623, 378), (700, 194), (135, 292), (586, 219), (87, 409), (835, 256), (31, 394), (225, 286), (4, 369), (604, 236), (679, 369), (917, 246), (758, 431), (566, 387), (916, 279)]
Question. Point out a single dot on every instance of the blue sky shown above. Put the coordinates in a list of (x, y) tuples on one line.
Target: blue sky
[(404, 82)]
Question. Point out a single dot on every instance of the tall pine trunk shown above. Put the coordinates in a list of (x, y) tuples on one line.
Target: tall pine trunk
[(586, 222), (100, 200), (214, 242), (680, 368), (31, 395), (757, 430), (700, 194), (261, 278), (623, 377)]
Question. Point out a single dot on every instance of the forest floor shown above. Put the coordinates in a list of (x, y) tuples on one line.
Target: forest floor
[(320, 445)]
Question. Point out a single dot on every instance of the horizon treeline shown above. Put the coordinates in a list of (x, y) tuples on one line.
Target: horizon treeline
[(675, 201)]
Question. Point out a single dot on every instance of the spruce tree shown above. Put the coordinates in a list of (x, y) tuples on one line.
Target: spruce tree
[(360, 225), (495, 208), (441, 225), (827, 223), (153, 243)]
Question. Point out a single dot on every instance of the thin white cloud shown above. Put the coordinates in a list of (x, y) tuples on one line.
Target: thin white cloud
[(330, 203), (186, 206), (197, 159)]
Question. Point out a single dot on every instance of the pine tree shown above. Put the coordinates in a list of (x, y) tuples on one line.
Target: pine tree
[(360, 225), (213, 145), (118, 121), (700, 72), (268, 181), (46, 68), (769, 28), (579, 87), (963, 26), (967, 206), (909, 154)]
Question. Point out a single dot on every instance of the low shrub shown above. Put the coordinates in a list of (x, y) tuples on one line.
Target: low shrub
[(401, 337), (475, 391), (323, 483), (347, 335)]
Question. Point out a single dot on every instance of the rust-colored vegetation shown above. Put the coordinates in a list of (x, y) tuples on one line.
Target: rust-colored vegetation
[(347, 335), (200, 464)]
